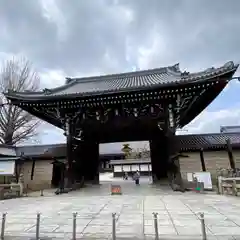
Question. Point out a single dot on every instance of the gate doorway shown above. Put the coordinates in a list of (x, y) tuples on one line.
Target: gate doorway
[(135, 157), (150, 159)]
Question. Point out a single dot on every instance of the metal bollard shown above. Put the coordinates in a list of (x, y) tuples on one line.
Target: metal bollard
[(155, 219), (38, 226), (74, 226), (204, 235), (41, 192), (113, 226), (3, 225)]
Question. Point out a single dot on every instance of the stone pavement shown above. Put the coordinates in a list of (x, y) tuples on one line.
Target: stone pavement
[(177, 214)]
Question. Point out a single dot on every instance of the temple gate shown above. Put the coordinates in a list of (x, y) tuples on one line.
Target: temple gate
[(143, 105)]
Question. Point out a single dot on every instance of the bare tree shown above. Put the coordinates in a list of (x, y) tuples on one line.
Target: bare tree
[(17, 125)]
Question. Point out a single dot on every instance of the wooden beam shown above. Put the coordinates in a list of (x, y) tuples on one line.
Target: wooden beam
[(17, 166), (230, 154), (202, 160), (33, 168)]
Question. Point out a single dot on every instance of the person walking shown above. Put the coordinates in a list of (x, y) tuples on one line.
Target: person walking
[(137, 177)]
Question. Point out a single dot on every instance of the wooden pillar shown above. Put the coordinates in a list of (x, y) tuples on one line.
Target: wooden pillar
[(89, 161), (78, 172), (202, 160), (18, 168), (230, 155), (62, 178), (93, 165), (159, 156), (17, 171), (69, 153), (154, 158), (33, 168), (174, 165)]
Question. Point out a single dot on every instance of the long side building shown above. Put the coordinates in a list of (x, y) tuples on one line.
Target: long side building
[(203, 152)]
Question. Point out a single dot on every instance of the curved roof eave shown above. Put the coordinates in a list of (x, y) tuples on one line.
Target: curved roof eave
[(185, 79), (200, 103)]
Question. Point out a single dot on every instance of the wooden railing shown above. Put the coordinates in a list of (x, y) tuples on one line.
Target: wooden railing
[(229, 186)]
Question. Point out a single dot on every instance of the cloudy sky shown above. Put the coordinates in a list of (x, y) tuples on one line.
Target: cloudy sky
[(89, 37)]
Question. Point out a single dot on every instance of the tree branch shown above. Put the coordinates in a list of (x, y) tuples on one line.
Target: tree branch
[(16, 125)]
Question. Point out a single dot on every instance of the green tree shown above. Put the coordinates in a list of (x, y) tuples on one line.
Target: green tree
[(127, 150)]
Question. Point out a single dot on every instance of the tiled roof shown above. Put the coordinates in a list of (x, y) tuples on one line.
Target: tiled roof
[(7, 150), (131, 161), (165, 76), (208, 141), (9, 158), (56, 150), (40, 150), (226, 129)]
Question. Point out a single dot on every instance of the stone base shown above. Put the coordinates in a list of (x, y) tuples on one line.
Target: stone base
[(177, 188)]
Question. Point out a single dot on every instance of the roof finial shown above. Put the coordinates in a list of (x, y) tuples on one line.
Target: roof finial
[(47, 91), (68, 80), (176, 67), (229, 64)]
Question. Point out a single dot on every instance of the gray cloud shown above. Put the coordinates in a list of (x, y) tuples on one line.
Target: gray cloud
[(107, 36), (196, 33), (93, 35), (25, 30)]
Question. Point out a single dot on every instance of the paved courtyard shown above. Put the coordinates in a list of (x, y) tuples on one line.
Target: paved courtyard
[(177, 213)]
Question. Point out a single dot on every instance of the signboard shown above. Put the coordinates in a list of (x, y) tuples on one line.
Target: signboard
[(116, 190), (7, 168), (204, 177)]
